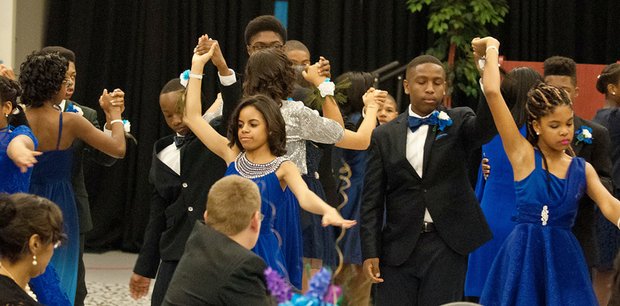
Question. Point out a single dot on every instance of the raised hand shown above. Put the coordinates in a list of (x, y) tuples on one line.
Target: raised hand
[(324, 67), (200, 57), (374, 98), (311, 74), (7, 72)]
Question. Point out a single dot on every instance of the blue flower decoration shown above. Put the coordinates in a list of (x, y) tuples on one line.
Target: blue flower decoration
[(584, 134), (443, 119), (184, 76), (71, 108)]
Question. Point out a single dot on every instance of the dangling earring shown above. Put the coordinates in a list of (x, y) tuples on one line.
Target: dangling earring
[(34, 260)]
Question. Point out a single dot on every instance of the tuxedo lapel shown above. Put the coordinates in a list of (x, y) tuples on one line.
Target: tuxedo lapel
[(428, 144), (577, 145), (402, 128)]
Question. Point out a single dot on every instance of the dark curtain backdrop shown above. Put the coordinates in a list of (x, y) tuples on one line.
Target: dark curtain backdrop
[(139, 45)]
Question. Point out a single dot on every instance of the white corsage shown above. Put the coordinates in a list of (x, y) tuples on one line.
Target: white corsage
[(584, 134), (443, 120)]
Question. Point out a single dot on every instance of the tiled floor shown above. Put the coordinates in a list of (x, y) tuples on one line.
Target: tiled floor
[(107, 279)]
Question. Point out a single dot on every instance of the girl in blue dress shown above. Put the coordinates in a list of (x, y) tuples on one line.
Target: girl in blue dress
[(17, 143), (541, 262), (255, 147), (496, 192), (44, 81)]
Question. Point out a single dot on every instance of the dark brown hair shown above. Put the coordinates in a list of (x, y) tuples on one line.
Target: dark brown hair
[(269, 72), (9, 91), (560, 65), (41, 77), (609, 75), (542, 101), (262, 24), (273, 119), (23, 215)]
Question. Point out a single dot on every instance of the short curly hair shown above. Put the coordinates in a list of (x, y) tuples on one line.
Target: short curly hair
[(41, 77), (269, 72), (262, 24), (560, 65)]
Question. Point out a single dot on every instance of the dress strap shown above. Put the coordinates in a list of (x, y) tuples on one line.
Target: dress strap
[(538, 159), (59, 131)]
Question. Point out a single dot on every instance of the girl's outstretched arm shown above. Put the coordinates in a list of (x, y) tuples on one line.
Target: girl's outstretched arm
[(21, 151), (609, 205), (519, 151), (217, 143), (308, 200)]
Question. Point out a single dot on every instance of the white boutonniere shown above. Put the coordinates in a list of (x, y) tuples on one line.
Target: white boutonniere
[(584, 134), (443, 120)]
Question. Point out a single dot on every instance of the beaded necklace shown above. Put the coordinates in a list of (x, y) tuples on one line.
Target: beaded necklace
[(251, 170)]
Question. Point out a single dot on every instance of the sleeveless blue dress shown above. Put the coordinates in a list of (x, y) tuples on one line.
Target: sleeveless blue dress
[(541, 262), (496, 195), (13, 180), (51, 178), (318, 241), (274, 201)]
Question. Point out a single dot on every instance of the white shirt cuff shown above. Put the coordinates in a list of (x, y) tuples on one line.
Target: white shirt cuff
[(228, 80)]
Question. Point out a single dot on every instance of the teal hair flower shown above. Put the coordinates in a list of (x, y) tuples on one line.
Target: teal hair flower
[(184, 76), (584, 134)]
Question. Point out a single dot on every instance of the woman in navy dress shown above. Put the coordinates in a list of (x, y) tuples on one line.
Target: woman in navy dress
[(44, 81), (541, 263)]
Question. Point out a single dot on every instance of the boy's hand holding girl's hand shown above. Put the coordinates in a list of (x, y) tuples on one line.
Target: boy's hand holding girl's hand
[(112, 103), (312, 75), (480, 45), (332, 217), (200, 56), (374, 98)]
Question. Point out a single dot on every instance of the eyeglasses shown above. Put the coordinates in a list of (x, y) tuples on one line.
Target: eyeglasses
[(261, 46), (67, 82)]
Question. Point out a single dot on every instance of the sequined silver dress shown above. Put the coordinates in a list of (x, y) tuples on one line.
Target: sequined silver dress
[(303, 123)]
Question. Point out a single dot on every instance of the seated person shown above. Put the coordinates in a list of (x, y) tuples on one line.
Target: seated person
[(218, 267)]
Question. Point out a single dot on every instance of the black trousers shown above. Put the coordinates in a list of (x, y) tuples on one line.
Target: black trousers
[(432, 275), (164, 275), (80, 292)]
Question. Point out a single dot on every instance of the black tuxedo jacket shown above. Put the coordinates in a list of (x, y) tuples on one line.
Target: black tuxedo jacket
[(178, 201), (215, 270), (81, 150), (599, 156), (391, 182)]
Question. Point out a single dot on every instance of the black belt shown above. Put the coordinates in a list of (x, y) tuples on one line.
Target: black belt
[(428, 227)]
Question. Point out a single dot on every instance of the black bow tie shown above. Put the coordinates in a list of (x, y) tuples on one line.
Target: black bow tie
[(179, 141)]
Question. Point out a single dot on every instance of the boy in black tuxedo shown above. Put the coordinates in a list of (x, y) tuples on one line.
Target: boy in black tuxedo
[(182, 172), (417, 177), (218, 266)]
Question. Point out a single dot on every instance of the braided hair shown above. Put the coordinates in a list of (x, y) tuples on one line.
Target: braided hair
[(542, 101)]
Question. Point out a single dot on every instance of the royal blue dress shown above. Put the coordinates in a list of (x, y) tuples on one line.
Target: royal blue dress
[(12, 180), (497, 200), (541, 262), (274, 201), (318, 241), (51, 179)]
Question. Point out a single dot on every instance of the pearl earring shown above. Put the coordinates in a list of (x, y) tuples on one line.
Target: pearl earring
[(34, 260), (537, 133)]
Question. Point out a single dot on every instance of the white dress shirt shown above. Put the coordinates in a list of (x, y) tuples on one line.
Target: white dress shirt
[(171, 157), (415, 151)]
